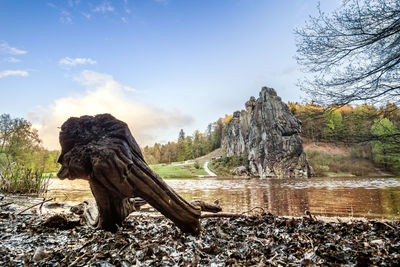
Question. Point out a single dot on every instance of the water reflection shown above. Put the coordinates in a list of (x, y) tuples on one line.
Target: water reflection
[(357, 197)]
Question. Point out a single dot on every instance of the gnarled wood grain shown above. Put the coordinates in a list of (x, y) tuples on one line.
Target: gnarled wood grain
[(101, 149)]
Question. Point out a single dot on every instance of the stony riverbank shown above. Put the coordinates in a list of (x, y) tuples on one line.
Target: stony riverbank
[(58, 239)]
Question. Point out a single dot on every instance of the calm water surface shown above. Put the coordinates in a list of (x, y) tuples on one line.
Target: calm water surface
[(354, 197)]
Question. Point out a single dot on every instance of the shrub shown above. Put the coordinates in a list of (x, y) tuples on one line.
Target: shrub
[(361, 151), (22, 180), (197, 165), (323, 163), (319, 161), (224, 165)]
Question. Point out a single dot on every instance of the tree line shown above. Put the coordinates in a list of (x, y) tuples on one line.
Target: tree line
[(188, 146), (20, 145), (372, 132), (352, 55)]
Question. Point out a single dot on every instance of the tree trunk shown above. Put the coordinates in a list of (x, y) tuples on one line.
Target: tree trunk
[(102, 149)]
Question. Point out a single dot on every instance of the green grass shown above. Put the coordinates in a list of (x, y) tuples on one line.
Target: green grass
[(21, 180), (50, 174), (177, 171)]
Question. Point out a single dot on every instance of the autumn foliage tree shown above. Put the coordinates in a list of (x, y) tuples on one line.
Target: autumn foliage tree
[(371, 132), (352, 55)]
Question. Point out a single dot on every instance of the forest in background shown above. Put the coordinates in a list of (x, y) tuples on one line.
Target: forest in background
[(370, 132), (188, 146), (20, 145)]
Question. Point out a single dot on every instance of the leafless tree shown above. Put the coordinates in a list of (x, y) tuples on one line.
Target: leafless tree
[(353, 54)]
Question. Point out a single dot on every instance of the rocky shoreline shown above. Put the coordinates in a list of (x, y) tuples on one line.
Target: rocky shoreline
[(59, 239)]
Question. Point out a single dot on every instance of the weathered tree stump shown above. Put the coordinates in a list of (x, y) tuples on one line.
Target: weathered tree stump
[(102, 149)]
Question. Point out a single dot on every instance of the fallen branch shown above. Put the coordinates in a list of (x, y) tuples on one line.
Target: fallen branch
[(79, 258), (204, 206), (262, 209), (271, 260), (222, 215), (202, 216), (231, 215), (388, 225), (6, 204), (40, 203), (310, 240)]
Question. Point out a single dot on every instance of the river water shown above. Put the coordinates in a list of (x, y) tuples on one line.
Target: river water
[(344, 197)]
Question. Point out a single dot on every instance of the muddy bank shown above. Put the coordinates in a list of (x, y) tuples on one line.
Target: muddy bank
[(146, 240)]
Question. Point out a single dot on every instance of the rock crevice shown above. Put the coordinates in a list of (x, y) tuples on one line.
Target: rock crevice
[(270, 136)]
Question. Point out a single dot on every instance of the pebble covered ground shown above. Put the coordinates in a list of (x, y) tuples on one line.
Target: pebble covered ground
[(147, 240)]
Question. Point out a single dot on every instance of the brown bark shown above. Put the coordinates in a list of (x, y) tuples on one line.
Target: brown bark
[(204, 206), (102, 149)]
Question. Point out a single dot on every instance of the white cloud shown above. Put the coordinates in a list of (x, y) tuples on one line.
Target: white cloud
[(65, 16), (103, 8), (6, 73), (126, 8), (86, 15), (106, 95), (73, 3), (12, 60), (5, 48), (67, 61)]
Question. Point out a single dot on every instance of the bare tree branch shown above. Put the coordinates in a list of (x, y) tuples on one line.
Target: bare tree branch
[(354, 53)]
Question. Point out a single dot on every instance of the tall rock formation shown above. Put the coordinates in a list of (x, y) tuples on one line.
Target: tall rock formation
[(268, 133)]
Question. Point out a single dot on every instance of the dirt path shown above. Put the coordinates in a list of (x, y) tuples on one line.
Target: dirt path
[(210, 173)]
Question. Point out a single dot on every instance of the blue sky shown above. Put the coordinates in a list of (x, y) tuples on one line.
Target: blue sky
[(158, 65)]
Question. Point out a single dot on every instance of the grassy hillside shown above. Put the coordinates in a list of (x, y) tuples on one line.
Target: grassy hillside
[(179, 170), (328, 159)]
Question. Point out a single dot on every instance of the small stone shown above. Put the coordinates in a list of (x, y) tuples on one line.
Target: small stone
[(40, 254), (378, 242), (240, 171)]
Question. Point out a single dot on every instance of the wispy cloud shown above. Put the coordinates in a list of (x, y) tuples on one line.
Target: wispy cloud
[(126, 7), (73, 3), (12, 60), (86, 15), (65, 15), (103, 8), (6, 73), (73, 10), (7, 49), (104, 94), (71, 62)]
